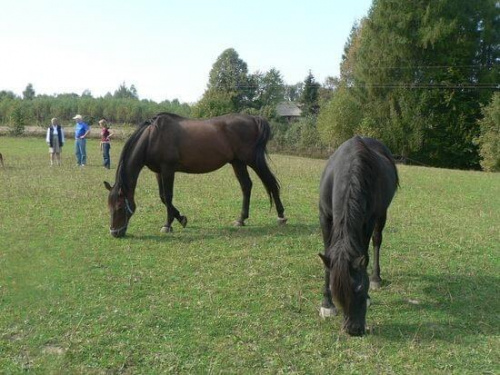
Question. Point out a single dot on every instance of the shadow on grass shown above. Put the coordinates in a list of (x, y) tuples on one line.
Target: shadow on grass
[(462, 306), (197, 233)]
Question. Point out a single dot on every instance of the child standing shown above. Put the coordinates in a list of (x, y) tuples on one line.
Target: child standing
[(105, 144), (55, 140)]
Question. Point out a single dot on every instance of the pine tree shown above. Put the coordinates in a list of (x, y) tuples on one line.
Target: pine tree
[(310, 96), (29, 92)]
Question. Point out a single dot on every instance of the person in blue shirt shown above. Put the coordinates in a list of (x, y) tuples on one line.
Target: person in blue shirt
[(82, 130)]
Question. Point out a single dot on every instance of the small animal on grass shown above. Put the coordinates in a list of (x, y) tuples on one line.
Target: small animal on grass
[(1, 159), (169, 143), (356, 188)]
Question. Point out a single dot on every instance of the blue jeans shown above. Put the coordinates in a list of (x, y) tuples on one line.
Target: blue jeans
[(105, 155), (81, 151)]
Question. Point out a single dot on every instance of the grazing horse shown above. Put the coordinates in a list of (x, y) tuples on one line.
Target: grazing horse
[(169, 143), (357, 186)]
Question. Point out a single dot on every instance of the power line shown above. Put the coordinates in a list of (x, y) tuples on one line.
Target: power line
[(417, 86), (416, 67)]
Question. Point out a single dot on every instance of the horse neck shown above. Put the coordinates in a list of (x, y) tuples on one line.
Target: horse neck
[(133, 170), (130, 170)]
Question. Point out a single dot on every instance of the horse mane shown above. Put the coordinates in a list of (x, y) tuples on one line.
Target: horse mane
[(173, 116), (121, 175), (349, 228)]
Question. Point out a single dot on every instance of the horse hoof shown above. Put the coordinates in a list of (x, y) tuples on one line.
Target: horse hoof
[(326, 312), (239, 223), (282, 220), (184, 221), (368, 302), (166, 230), (374, 284)]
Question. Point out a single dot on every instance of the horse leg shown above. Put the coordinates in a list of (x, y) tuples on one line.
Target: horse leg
[(375, 280), (327, 308), (280, 210), (241, 172), (166, 187), (272, 186)]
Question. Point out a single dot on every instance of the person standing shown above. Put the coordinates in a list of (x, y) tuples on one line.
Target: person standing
[(105, 144), (55, 140), (82, 130)]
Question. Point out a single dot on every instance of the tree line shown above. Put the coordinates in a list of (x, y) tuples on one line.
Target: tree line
[(422, 76), (122, 107)]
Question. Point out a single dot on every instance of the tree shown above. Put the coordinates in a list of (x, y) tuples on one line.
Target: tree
[(18, 118), (339, 118), (29, 92), (422, 70), (328, 88), (270, 90), (229, 78), (7, 95), (86, 94), (489, 138), (123, 92), (293, 92), (214, 103), (309, 97)]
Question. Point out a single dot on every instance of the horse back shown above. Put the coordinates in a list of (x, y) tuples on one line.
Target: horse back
[(200, 146), (361, 172)]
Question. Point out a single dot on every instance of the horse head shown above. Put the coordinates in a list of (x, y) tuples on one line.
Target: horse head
[(349, 284), (121, 208)]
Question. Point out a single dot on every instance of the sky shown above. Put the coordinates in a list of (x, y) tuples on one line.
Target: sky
[(166, 48)]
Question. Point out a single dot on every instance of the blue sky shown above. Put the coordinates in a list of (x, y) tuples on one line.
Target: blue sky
[(166, 48)]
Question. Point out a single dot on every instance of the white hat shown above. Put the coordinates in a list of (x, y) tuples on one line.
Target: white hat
[(78, 117)]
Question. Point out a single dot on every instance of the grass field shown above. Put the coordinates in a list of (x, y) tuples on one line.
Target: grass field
[(212, 299)]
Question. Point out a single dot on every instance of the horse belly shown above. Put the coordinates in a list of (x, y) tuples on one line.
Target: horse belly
[(204, 159)]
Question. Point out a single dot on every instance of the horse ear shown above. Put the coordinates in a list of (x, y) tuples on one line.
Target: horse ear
[(107, 185), (326, 260)]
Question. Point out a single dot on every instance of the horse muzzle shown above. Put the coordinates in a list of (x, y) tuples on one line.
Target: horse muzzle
[(355, 329), (117, 233)]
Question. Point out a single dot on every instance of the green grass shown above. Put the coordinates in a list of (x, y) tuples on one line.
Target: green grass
[(212, 298)]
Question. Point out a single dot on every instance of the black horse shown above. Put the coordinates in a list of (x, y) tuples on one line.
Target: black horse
[(357, 186), (170, 143)]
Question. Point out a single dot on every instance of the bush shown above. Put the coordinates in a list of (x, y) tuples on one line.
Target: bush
[(299, 138), (18, 121)]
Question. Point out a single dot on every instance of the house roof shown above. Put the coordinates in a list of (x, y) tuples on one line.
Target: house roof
[(288, 109)]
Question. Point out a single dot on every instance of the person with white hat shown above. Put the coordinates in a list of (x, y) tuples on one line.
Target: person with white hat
[(82, 130)]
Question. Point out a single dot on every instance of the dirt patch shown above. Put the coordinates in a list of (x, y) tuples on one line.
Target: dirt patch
[(52, 349), (69, 132)]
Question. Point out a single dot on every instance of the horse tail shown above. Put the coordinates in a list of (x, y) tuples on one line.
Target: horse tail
[(261, 167)]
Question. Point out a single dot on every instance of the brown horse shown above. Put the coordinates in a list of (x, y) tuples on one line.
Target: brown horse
[(357, 186), (169, 143)]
